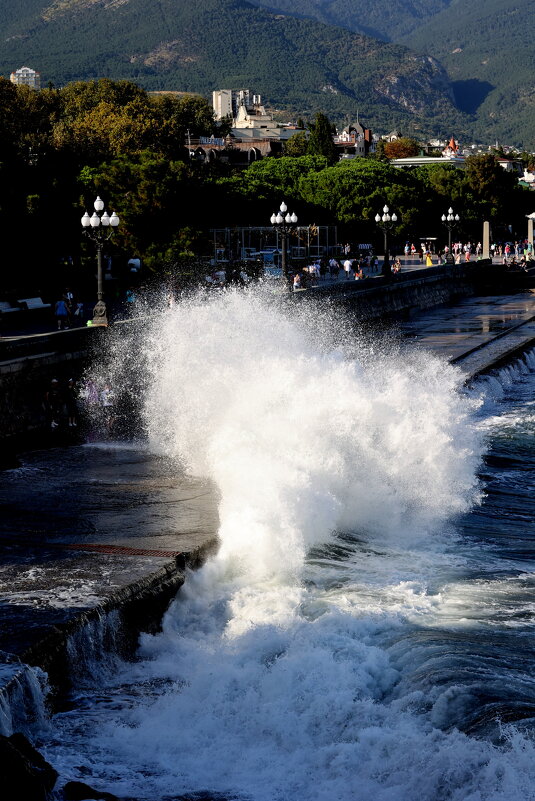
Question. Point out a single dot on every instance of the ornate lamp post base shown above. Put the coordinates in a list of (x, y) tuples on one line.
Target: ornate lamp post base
[(100, 314)]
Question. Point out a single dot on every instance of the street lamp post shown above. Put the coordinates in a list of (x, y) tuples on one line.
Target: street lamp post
[(99, 228), (450, 221), (284, 223), (386, 222)]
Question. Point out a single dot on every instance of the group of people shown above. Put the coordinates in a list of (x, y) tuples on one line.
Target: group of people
[(323, 269), (61, 404), (66, 404), (68, 310), (514, 254)]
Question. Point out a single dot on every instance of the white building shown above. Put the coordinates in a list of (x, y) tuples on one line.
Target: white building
[(249, 117), (25, 76), (227, 102)]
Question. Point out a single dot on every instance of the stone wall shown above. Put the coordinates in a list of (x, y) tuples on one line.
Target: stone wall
[(374, 298), (28, 366)]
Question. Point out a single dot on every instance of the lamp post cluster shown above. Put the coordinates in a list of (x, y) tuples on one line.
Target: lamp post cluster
[(99, 228), (284, 223), (386, 222), (450, 221)]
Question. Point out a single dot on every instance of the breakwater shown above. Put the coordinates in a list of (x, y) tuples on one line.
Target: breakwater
[(265, 430)]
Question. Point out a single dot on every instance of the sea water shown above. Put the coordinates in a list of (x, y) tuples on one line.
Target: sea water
[(365, 630)]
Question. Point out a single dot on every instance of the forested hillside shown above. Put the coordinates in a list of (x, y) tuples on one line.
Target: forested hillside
[(314, 56), (486, 47), (297, 65), (383, 19), (488, 50)]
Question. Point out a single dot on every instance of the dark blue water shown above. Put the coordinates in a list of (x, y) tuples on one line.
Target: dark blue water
[(366, 631)]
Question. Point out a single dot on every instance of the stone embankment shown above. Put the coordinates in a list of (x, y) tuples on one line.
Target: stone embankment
[(27, 366), (406, 292), (133, 581)]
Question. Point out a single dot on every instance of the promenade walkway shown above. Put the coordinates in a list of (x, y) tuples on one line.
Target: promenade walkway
[(477, 331)]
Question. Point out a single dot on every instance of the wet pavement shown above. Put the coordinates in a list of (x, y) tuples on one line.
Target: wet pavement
[(477, 330), (78, 523)]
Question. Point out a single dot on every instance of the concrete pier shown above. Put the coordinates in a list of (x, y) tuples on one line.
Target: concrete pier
[(98, 537)]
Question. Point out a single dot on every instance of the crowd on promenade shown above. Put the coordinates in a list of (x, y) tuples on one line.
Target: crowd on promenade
[(352, 263)]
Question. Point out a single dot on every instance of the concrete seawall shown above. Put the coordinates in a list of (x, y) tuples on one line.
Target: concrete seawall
[(149, 575), (27, 366), (89, 565), (422, 289)]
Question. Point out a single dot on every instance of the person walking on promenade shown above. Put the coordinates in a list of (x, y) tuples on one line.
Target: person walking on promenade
[(334, 269), (54, 404), (62, 314), (348, 264), (71, 402)]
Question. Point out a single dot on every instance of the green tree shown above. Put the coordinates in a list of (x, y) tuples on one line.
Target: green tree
[(154, 198), (178, 116), (321, 142), (380, 151), (296, 145), (356, 190), (401, 148), (492, 192)]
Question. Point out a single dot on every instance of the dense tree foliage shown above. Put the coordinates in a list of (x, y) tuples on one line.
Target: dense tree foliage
[(401, 148), (60, 148), (296, 145)]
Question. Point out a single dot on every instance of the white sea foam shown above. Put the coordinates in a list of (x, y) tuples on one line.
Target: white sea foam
[(300, 439), (287, 676)]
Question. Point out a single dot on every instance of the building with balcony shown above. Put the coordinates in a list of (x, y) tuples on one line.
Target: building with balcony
[(25, 76), (355, 141)]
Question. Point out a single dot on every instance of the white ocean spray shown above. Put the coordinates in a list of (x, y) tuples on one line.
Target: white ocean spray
[(280, 684)]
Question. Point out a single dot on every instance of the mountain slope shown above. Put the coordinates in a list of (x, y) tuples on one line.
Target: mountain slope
[(488, 50), (485, 45), (297, 64), (382, 19)]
